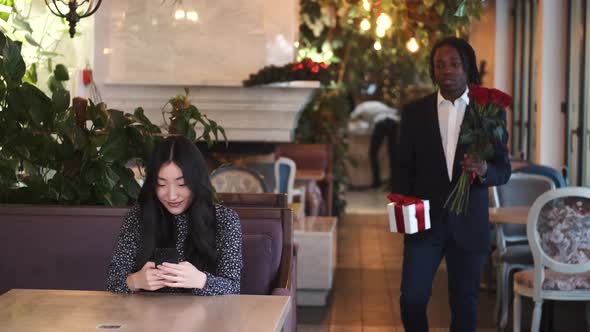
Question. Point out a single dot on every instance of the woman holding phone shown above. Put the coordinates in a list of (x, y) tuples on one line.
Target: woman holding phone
[(175, 210)]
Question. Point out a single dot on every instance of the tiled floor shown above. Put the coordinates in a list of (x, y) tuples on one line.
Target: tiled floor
[(366, 286)]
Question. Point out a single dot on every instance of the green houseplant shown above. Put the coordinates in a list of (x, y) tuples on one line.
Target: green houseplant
[(53, 153)]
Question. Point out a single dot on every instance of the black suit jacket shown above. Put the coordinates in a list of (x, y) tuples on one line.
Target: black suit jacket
[(422, 172)]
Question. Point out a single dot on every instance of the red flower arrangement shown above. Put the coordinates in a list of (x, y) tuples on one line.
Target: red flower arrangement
[(297, 71), (482, 128), (310, 65)]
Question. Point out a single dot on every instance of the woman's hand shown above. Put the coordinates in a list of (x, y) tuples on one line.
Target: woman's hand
[(182, 275), (147, 278), (472, 163)]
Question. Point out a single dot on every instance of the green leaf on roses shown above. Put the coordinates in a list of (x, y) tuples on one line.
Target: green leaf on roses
[(487, 152), (466, 137), (61, 73), (499, 133)]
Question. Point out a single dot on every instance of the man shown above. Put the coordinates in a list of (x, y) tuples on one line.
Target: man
[(384, 122), (430, 163)]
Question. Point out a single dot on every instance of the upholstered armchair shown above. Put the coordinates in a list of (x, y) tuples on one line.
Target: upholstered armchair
[(558, 230)]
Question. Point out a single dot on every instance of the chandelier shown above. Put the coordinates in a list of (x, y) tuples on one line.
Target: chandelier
[(73, 16)]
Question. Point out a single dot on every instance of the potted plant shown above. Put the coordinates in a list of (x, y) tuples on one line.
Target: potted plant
[(53, 154)]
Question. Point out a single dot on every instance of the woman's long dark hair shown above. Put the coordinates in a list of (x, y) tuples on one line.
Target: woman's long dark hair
[(466, 53), (158, 224)]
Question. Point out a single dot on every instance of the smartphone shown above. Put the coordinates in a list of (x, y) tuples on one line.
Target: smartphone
[(168, 255)]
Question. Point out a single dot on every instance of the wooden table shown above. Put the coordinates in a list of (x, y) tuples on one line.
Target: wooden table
[(510, 215), (61, 310)]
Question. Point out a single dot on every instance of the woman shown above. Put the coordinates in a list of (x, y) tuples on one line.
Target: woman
[(175, 210)]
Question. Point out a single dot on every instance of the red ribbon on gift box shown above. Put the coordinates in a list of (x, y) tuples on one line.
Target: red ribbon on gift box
[(401, 201)]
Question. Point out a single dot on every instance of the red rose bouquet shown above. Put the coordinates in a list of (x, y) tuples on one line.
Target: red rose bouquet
[(482, 128)]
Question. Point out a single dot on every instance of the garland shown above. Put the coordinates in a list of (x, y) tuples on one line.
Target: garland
[(306, 70)]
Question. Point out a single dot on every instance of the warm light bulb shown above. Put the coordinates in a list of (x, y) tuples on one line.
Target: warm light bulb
[(107, 51), (377, 45), (179, 14), (365, 25), (380, 31), (192, 16), (384, 21), (412, 45), (366, 5), (296, 44)]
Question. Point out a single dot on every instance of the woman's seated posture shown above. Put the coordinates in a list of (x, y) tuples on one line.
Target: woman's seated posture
[(175, 210)]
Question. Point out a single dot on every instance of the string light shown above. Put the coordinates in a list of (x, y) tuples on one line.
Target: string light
[(192, 16), (377, 45), (412, 45), (179, 14), (366, 5), (384, 21), (380, 31), (365, 25)]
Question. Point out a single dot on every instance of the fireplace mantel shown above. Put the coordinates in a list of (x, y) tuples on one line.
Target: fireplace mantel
[(254, 114)]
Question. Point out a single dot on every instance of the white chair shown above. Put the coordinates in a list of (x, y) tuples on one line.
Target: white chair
[(512, 250), (285, 170), (558, 230)]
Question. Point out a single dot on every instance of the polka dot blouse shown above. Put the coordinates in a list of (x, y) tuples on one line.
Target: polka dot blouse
[(226, 279)]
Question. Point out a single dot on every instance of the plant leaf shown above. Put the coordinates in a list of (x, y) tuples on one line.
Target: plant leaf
[(61, 73), (14, 65)]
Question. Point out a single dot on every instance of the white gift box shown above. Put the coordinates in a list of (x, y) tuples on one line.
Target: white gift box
[(409, 222)]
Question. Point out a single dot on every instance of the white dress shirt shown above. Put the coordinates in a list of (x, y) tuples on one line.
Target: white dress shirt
[(450, 117)]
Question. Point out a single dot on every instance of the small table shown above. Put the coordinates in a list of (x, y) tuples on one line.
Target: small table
[(509, 215), (316, 258), (62, 310)]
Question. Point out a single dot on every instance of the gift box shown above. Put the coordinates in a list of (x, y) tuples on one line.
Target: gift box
[(408, 215)]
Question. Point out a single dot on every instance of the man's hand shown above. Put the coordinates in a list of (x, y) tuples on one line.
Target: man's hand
[(182, 275), (147, 278), (472, 163)]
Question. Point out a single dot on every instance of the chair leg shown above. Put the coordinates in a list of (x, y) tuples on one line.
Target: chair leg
[(517, 310), (505, 296), (498, 295), (537, 312)]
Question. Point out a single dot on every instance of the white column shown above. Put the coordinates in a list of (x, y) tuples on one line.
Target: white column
[(503, 47), (550, 58)]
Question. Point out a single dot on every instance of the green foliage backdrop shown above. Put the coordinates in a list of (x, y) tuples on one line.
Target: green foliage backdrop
[(333, 32)]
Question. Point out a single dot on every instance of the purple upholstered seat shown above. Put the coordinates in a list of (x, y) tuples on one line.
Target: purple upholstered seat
[(262, 243)]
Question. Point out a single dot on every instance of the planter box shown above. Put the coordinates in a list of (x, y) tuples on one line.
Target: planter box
[(57, 247)]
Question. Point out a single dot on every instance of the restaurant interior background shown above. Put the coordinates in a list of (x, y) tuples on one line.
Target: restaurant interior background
[(267, 72)]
